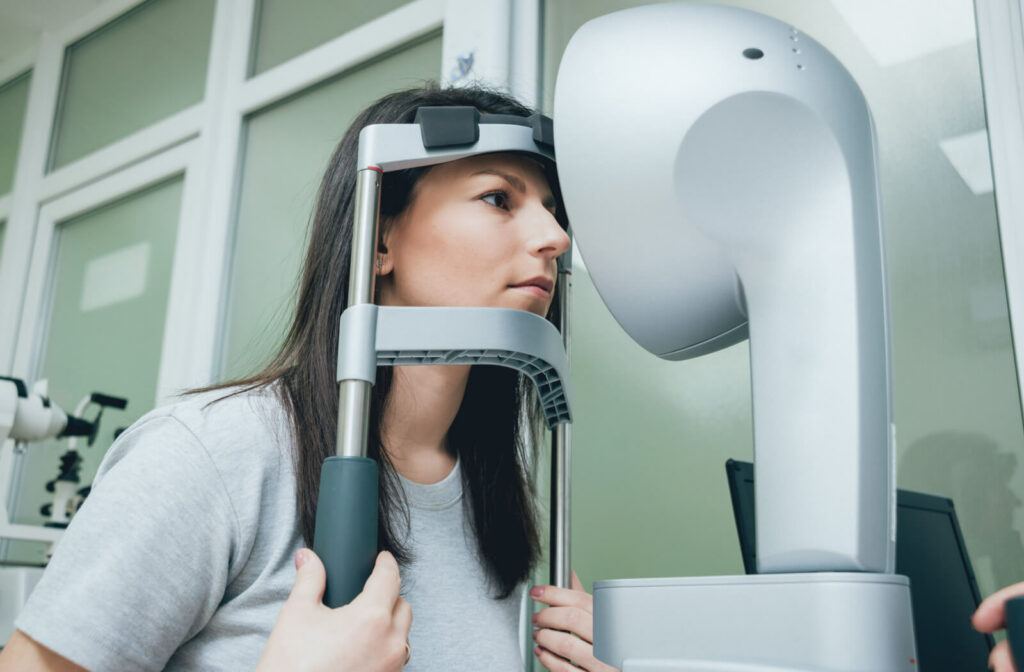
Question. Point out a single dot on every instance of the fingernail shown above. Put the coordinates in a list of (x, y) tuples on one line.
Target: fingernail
[(536, 650), (300, 558), (535, 633), (534, 619), (536, 591)]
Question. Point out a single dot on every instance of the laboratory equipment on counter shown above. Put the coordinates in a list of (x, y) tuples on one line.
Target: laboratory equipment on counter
[(67, 495), (28, 416)]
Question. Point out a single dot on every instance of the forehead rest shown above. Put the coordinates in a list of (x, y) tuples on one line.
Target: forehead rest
[(451, 126)]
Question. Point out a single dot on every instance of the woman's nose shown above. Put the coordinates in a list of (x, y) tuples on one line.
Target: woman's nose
[(548, 238)]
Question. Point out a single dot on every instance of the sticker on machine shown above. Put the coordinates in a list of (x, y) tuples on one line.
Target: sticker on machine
[(115, 277)]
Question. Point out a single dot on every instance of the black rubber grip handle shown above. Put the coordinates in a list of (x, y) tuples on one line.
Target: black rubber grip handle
[(346, 525), (1015, 629), (77, 427), (108, 400)]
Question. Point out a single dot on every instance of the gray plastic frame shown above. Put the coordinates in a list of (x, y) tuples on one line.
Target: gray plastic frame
[(372, 336), (391, 147)]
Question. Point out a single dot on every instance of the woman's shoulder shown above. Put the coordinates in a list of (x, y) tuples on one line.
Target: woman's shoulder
[(237, 428), (235, 415)]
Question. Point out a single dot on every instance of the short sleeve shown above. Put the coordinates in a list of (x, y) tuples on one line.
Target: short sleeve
[(146, 560)]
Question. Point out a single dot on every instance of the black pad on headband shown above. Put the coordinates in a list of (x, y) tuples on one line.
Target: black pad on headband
[(449, 126)]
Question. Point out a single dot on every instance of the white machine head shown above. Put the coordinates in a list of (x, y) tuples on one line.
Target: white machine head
[(718, 166)]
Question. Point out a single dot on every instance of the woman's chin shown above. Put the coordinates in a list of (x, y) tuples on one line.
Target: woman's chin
[(540, 308), (525, 300)]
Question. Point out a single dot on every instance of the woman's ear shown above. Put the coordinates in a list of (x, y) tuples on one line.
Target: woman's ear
[(383, 262)]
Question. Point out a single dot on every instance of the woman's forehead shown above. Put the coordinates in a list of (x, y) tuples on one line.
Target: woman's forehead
[(519, 164)]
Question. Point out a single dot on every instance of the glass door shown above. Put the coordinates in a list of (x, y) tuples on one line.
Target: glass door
[(100, 284)]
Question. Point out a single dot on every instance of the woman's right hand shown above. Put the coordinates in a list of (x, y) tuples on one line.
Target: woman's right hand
[(991, 617), (370, 633)]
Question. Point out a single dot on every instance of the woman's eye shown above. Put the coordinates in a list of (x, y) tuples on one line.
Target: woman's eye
[(498, 199)]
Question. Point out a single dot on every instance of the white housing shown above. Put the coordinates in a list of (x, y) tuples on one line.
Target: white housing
[(735, 176)]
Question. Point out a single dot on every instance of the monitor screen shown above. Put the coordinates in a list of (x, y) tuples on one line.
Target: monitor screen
[(930, 551)]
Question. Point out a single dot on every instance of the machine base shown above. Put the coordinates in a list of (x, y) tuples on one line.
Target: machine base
[(813, 622)]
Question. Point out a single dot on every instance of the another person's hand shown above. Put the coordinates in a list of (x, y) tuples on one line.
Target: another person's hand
[(990, 617), (565, 634), (371, 633)]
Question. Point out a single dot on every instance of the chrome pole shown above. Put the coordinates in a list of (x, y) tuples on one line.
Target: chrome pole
[(561, 452), (354, 395)]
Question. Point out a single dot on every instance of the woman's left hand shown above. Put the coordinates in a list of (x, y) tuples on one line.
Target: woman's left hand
[(566, 629)]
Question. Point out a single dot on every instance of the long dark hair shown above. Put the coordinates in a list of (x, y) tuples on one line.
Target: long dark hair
[(499, 404)]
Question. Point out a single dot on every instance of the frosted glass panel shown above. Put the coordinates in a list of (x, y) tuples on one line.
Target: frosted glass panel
[(651, 437), (133, 72), (286, 151), (106, 329), (13, 97), (287, 28)]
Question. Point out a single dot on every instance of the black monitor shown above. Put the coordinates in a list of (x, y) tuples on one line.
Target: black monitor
[(930, 551)]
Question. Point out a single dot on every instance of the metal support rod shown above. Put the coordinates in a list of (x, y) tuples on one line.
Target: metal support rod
[(354, 395), (561, 452)]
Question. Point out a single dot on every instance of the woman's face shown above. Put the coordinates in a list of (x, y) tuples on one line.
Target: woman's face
[(480, 231)]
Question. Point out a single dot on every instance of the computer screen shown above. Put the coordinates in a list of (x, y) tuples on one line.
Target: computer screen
[(930, 551)]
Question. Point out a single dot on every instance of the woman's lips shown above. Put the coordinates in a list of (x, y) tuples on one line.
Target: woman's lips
[(539, 286), (533, 289)]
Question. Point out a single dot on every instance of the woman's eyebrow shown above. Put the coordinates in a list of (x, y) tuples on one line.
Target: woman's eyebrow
[(517, 184)]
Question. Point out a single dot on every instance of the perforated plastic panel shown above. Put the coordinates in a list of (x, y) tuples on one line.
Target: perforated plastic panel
[(374, 336), (544, 376)]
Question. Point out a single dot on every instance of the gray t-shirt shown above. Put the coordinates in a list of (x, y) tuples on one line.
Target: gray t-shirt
[(181, 556)]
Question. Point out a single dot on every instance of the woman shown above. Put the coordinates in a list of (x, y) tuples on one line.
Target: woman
[(182, 555)]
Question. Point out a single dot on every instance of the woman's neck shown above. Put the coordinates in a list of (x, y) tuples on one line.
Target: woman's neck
[(421, 408)]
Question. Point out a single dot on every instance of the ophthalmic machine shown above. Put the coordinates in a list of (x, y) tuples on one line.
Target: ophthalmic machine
[(720, 171)]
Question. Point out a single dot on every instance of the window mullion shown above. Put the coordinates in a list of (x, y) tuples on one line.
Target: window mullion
[(198, 279), (28, 174)]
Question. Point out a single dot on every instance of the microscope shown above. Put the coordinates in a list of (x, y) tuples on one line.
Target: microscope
[(29, 416)]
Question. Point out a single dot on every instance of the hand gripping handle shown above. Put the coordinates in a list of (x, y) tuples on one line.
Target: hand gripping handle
[(346, 525)]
